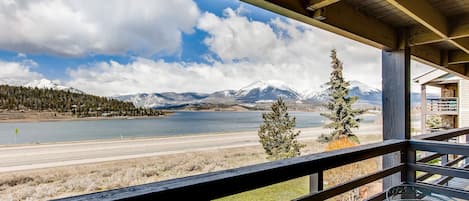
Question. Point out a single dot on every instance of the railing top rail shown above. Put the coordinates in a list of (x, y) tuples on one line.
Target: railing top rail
[(443, 135), (439, 147), (218, 184)]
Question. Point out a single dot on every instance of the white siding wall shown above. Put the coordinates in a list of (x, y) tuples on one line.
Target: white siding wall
[(463, 103)]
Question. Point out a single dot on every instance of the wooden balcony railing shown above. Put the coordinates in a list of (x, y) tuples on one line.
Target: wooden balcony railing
[(442, 106), (228, 182)]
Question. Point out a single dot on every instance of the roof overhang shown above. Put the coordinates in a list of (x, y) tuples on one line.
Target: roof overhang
[(429, 76), (437, 32)]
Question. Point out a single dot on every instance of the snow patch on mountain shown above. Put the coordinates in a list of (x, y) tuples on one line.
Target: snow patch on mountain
[(363, 87), (262, 85), (48, 84), (314, 94), (144, 100), (266, 91)]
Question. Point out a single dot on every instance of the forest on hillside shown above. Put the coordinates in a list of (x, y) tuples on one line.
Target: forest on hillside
[(17, 98)]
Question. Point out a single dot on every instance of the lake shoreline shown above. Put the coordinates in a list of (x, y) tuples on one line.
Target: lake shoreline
[(35, 117), (70, 118)]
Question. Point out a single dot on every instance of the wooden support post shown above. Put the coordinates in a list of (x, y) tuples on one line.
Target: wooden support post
[(396, 105), (411, 157), (423, 109)]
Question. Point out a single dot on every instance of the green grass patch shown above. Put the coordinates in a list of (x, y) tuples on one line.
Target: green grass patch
[(282, 191)]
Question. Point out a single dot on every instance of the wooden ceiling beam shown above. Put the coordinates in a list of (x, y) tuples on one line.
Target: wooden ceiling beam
[(457, 57), (429, 54), (344, 16), (318, 4), (420, 35), (343, 19), (431, 18), (458, 28), (425, 14), (339, 18), (461, 43)]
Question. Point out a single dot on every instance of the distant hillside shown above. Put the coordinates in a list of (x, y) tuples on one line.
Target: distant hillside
[(14, 98)]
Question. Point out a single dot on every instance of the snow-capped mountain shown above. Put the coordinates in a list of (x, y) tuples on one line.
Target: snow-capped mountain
[(48, 84), (257, 92), (161, 100), (312, 95), (260, 91), (366, 94), (364, 88), (144, 99), (265, 91)]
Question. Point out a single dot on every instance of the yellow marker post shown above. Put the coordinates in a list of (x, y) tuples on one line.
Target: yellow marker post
[(16, 133)]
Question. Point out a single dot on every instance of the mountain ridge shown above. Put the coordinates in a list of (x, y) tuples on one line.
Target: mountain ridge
[(258, 92), (255, 93), (49, 84)]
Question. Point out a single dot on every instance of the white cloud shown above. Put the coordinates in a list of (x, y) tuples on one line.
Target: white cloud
[(248, 50), (144, 75), (75, 28), (21, 55), (18, 73), (287, 42)]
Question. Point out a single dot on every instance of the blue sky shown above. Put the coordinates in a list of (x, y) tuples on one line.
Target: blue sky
[(181, 45), (55, 67)]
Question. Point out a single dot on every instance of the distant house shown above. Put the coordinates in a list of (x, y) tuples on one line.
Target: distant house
[(452, 105)]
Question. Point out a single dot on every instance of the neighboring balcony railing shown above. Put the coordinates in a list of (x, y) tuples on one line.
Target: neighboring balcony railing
[(228, 182), (442, 106)]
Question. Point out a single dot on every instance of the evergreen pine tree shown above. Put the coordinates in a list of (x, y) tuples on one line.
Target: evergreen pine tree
[(341, 114), (434, 122), (277, 134)]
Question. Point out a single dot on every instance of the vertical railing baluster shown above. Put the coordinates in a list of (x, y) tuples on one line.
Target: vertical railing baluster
[(316, 182), (444, 158), (467, 142)]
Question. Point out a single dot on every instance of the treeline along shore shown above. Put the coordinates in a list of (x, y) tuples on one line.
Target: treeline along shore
[(18, 102)]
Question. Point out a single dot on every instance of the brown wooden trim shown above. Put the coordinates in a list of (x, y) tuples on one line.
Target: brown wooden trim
[(424, 13), (383, 35), (458, 56), (317, 4)]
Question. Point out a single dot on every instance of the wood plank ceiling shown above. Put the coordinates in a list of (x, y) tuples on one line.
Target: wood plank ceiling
[(436, 31)]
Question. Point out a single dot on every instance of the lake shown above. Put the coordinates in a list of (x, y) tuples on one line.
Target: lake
[(179, 123)]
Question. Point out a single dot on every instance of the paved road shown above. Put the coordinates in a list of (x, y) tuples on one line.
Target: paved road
[(50, 155)]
